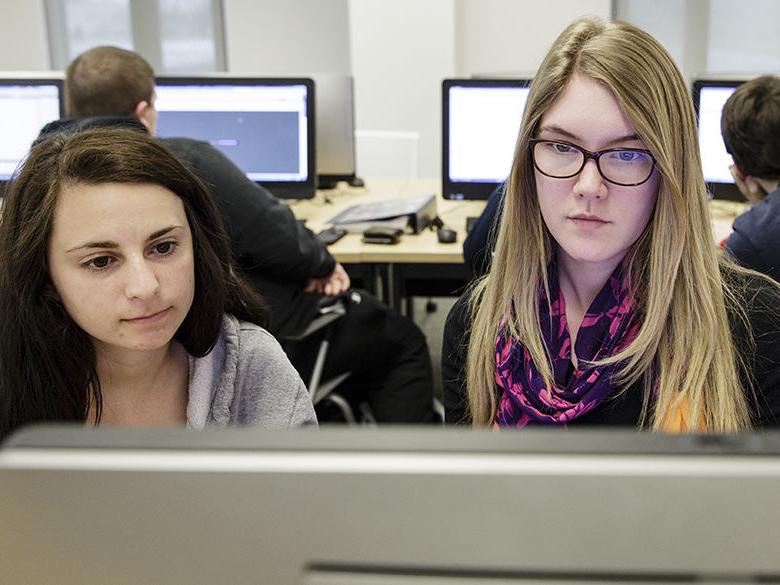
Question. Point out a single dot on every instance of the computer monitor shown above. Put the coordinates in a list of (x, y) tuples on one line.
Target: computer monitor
[(335, 129), (265, 126), (709, 96), (388, 506), (27, 104), (480, 122)]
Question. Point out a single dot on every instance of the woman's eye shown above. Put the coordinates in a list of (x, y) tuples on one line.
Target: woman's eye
[(562, 148), (625, 156), (99, 263), (164, 248)]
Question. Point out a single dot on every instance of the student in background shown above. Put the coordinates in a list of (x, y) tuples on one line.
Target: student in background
[(750, 124), (607, 301), (386, 353), (119, 301), (481, 240)]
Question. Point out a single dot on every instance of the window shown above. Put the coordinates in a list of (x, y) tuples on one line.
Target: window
[(175, 36)]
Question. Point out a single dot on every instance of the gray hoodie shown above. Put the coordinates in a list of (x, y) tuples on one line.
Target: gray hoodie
[(246, 380)]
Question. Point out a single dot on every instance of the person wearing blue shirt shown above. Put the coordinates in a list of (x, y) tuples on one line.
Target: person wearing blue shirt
[(478, 245), (750, 125)]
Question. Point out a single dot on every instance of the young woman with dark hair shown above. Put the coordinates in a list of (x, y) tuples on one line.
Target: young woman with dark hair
[(118, 298)]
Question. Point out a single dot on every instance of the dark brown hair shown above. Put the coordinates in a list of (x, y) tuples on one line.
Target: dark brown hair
[(47, 363), (107, 80), (750, 125)]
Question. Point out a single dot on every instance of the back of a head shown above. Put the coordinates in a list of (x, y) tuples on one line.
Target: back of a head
[(107, 80), (750, 125)]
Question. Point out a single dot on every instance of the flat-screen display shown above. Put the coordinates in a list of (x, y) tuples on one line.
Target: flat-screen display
[(26, 106), (480, 122), (265, 126), (709, 96)]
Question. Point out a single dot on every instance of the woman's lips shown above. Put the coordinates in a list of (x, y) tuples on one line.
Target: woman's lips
[(149, 318), (588, 221)]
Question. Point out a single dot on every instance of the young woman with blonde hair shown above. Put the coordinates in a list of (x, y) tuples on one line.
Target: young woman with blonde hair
[(607, 301)]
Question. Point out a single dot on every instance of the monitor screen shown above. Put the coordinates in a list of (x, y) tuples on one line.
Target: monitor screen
[(388, 506), (335, 128), (265, 126), (26, 106), (708, 99), (480, 122)]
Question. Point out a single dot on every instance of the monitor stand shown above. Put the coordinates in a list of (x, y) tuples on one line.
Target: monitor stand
[(326, 182)]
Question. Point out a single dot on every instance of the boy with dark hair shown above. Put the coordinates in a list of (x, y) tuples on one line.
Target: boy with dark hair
[(750, 125)]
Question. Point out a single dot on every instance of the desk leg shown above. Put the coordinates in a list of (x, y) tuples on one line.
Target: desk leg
[(397, 288)]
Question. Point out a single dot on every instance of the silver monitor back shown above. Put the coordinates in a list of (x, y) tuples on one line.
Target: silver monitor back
[(387, 507), (334, 96)]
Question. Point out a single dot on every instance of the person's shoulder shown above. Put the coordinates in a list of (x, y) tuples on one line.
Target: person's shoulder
[(251, 338), (753, 297), (271, 390), (753, 288), (74, 125), (761, 223), (460, 314), (188, 146)]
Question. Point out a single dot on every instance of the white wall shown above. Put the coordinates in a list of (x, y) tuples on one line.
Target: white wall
[(744, 36), (681, 27), (712, 36), (511, 37), (400, 52), (286, 37), (23, 44)]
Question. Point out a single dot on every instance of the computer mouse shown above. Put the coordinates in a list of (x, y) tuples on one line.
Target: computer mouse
[(447, 235)]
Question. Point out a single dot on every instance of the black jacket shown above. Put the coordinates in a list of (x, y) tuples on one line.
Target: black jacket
[(479, 244), (755, 242), (274, 252), (762, 365)]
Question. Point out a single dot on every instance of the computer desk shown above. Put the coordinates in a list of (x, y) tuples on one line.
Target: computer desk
[(419, 265)]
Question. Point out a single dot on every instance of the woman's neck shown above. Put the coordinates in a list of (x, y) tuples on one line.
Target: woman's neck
[(580, 283), (143, 387)]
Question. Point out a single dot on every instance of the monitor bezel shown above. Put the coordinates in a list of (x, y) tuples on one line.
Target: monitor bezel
[(18, 80), (282, 189), (462, 189), (718, 190)]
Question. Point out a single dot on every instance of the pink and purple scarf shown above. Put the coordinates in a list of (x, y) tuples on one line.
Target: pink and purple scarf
[(609, 325)]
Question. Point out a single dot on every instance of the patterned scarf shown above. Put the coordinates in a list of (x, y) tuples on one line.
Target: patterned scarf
[(608, 326)]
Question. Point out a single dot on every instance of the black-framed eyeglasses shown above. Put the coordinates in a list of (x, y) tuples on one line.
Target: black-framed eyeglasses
[(627, 167)]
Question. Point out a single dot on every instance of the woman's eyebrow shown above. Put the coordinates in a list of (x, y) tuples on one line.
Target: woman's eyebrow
[(162, 232), (110, 244), (574, 137)]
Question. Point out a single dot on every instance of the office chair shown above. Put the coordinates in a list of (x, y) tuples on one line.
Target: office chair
[(324, 392)]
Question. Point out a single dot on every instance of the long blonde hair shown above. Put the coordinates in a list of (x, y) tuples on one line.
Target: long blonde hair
[(685, 340)]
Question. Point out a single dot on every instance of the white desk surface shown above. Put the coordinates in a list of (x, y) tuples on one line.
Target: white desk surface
[(421, 248)]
